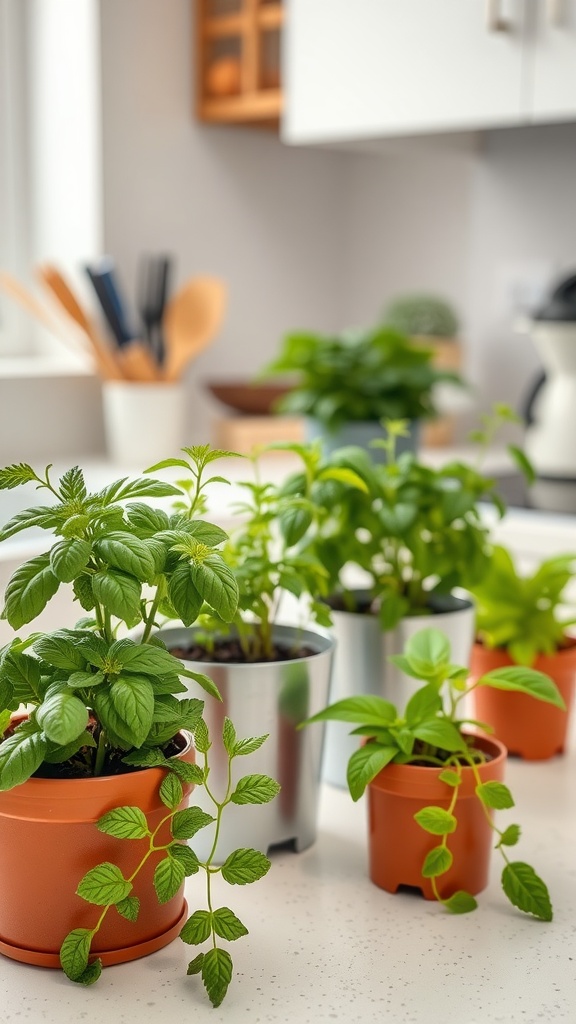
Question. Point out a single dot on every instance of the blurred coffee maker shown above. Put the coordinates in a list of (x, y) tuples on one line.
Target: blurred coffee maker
[(551, 411)]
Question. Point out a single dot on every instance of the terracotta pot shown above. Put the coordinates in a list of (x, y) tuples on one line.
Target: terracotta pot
[(48, 841), (528, 727), (398, 845)]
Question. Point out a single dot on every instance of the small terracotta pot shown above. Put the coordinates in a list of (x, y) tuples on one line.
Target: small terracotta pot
[(49, 840), (528, 727), (398, 845)]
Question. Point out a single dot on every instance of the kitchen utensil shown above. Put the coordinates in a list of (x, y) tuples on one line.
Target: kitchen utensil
[(105, 360), (28, 301), (138, 363), (191, 320), (153, 276), (104, 281)]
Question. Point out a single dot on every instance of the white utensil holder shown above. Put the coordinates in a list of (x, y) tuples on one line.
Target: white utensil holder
[(144, 422)]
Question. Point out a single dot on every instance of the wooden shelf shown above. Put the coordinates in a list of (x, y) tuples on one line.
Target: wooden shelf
[(238, 61)]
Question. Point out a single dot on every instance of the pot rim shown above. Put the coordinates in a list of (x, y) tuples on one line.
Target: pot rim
[(453, 604), (312, 638), (421, 780)]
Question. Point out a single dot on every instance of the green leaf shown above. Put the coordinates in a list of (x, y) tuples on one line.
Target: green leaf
[(526, 890), (104, 885), (437, 862), (184, 595), (169, 875), (365, 710), (217, 974), (186, 857), (188, 822), (198, 928), (201, 737), (68, 558), (85, 680), (139, 488), (217, 584), (20, 756), (15, 475), (74, 952), (62, 717), (124, 823), (244, 866), (61, 650), (228, 737), (428, 650), (365, 764), (510, 836), (450, 777), (524, 680), (425, 703), (523, 463), (460, 903), (227, 925), (147, 659), (248, 746), (91, 974), (149, 521), (293, 522), (119, 593), (203, 681), (195, 965), (171, 792), (344, 476), (188, 772), (436, 820), (29, 590), (494, 794), (127, 707), (440, 732), (123, 551), (129, 908), (255, 789), (42, 516)]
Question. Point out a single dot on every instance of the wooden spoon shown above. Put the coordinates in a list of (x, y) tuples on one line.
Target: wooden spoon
[(191, 319), (28, 301), (108, 365)]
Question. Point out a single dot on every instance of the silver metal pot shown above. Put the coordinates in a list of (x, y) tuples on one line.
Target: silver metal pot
[(259, 698), (361, 665)]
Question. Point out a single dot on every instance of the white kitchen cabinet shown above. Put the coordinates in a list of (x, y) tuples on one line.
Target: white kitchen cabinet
[(364, 69)]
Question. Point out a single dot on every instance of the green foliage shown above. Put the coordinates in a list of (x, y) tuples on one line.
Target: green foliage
[(265, 555), (412, 530), (432, 733), (91, 696), (522, 613), (367, 375), (421, 314), (104, 886)]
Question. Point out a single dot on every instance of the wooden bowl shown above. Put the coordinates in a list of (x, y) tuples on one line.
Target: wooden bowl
[(250, 399)]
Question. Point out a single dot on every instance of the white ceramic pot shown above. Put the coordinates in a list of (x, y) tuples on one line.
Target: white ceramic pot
[(144, 422)]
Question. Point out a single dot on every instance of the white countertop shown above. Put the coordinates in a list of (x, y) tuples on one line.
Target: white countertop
[(326, 945)]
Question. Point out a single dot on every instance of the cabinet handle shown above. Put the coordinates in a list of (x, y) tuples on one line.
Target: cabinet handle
[(555, 12), (494, 20)]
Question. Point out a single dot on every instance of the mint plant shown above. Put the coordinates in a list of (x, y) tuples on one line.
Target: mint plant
[(106, 888), (265, 552), (432, 733), (521, 613)]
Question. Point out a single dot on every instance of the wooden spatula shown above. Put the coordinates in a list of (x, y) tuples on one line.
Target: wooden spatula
[(191, 319), (11, 286), (106, 361)]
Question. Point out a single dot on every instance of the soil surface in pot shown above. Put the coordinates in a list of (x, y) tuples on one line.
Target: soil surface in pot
[(420, 748), (229, 651), (79, 766)]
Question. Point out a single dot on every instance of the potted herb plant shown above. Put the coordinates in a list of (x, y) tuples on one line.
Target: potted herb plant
[(100, 742), (267, 672), (346, 384), (434, 782), (520, 622)]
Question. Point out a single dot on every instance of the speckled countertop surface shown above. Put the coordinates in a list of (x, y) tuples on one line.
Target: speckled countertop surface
[(326, 945)]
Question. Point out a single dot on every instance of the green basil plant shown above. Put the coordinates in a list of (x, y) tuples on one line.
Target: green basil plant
[(107, 695)]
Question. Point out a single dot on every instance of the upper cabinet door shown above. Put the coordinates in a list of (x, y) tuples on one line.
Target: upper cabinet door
[(553, 62), (359, 69)]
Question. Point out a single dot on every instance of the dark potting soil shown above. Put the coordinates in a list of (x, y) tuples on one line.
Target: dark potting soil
[(79, 766), (229, 652)]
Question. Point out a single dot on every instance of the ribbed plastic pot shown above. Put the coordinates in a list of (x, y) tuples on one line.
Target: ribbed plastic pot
[(529, 728), (49, 840), (398, 845), (260, 698), (361, 665)]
